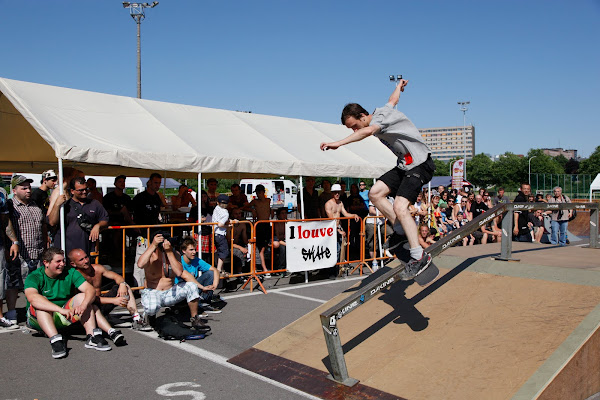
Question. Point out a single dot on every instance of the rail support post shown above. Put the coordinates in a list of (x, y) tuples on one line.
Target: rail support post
[(336, 352), (507, 231), (594, 228)]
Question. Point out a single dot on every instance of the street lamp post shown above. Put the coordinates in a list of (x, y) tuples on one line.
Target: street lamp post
[(137, 12), (529, 174), (463, 107)]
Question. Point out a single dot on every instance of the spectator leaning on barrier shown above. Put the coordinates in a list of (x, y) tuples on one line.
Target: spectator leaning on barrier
[(335, 209), (147, 204), (28, 222), (560, 218), (239, 234), (261, 211), (119, 294), (220, 216), (521, 217), (84, 218), (6, 229), (52, 304)]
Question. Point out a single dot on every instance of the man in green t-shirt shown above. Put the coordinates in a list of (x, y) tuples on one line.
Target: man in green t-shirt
[(57, 297)]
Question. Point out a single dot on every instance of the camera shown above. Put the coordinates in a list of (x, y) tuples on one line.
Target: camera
[(174, 240)]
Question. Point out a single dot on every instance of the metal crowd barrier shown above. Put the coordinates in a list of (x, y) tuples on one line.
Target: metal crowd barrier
[(330, 318)]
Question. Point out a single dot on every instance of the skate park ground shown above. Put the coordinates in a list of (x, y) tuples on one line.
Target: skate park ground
[(483, 329)]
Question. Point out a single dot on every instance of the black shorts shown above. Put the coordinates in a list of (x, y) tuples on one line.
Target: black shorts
[(222, 246), (408, 184)]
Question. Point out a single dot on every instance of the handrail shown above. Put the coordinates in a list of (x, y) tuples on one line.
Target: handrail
[(331, 316)]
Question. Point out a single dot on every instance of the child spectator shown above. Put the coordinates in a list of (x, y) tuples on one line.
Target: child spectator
[(221, 217)]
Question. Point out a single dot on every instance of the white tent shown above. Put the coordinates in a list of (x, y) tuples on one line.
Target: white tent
[(40, 123), (595, 185)]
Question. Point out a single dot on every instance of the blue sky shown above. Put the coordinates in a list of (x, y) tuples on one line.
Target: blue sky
[(529, 68)]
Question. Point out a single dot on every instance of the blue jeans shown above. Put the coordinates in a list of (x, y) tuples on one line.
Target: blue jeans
[(556, 227), (206, 279)]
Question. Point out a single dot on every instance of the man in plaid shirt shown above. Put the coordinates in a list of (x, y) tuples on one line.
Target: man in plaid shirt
[(27, 219)]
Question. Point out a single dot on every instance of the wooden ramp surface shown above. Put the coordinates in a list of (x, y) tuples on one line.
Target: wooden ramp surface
[(484, 329)]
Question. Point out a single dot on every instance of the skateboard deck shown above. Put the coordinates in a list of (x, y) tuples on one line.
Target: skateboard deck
[(427, 276)]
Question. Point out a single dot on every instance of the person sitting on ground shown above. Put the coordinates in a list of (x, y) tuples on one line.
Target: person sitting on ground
[(93, 192), (460, 222), (161, 266), (539, 198), (490, 233), (261, 211), (53, 303), (419, 209), (119, 294), (426, 236), (537, 221), (183, 198), (221, 218), (207, 276)]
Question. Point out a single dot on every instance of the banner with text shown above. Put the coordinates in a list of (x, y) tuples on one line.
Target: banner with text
[(458, 172), (310, 245)]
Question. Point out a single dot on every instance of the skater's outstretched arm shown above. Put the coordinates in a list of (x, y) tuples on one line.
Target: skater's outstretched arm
[(393, 100), (358, 135)]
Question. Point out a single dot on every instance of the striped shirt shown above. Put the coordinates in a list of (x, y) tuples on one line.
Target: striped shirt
[(27, 221)]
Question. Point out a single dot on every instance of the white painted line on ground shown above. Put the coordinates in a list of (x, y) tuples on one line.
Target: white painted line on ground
[(300, 297), (13, 330), (222, 361), (257, 292)]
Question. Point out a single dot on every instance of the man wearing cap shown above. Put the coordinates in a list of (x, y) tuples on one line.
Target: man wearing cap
[(40, 195), (28, 221), (220, 216), (335, 209), (6, 228), (84, 218)]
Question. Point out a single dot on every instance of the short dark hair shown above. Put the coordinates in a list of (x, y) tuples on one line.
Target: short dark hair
[(280, 210), (120, 177), (235, 185), (75, 180), (352, 110), (155, 175), (50, 252), (210, 180), (187, 242)]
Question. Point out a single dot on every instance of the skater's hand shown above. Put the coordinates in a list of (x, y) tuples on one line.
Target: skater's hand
[(402, 84), (329, 146)]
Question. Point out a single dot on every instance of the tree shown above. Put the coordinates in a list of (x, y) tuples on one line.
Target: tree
[(543, 163), (561, 160), (509, 171), (480, 170), (441, 168), (572, 166), (591, 165)]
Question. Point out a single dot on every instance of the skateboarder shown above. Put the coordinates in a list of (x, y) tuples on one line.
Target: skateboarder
[(413, 170)]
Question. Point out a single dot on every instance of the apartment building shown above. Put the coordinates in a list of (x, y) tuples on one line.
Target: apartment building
[(449, 143)]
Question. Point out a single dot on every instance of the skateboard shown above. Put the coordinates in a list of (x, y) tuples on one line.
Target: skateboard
[(402, 253)]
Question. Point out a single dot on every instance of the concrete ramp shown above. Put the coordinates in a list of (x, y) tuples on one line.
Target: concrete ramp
[(484, 329)]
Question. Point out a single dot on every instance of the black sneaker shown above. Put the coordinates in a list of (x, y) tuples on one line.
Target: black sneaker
[(210, 309), (96, 341), (415, 267), (59, 350), (200, 324), (391, 244), (118, 338)]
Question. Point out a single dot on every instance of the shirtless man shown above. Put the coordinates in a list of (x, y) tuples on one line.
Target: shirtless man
[(162, 266), (261, 211), (119, 295), (334, 209)]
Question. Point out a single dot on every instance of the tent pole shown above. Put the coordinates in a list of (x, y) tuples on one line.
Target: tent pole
[(302, 215), (199, 202), (378, 230), (62, 208)]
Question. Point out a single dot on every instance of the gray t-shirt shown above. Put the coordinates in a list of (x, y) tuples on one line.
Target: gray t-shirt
[(401, 136)]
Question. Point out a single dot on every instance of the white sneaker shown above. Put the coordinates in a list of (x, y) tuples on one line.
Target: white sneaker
[(7, 324)]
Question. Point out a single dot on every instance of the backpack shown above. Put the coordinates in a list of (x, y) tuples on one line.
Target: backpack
[(170, 328)]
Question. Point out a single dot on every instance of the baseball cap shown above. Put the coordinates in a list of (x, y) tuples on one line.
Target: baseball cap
[(19, 180), (223, 198), (336, 187), (48, 174)]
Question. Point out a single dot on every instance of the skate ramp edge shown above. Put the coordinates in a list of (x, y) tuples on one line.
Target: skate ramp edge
[(483, 329)]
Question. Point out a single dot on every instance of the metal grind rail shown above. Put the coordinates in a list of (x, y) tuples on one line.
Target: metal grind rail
[(330, 317)]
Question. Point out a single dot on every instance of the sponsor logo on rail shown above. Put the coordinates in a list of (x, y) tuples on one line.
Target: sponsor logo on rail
[(382, 285)]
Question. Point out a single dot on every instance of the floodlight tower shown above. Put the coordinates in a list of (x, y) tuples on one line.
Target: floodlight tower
[(137, 12), (396, 79), (464, 108)]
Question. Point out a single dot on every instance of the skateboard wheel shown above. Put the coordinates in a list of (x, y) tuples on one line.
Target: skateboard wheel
[(428, 275)]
